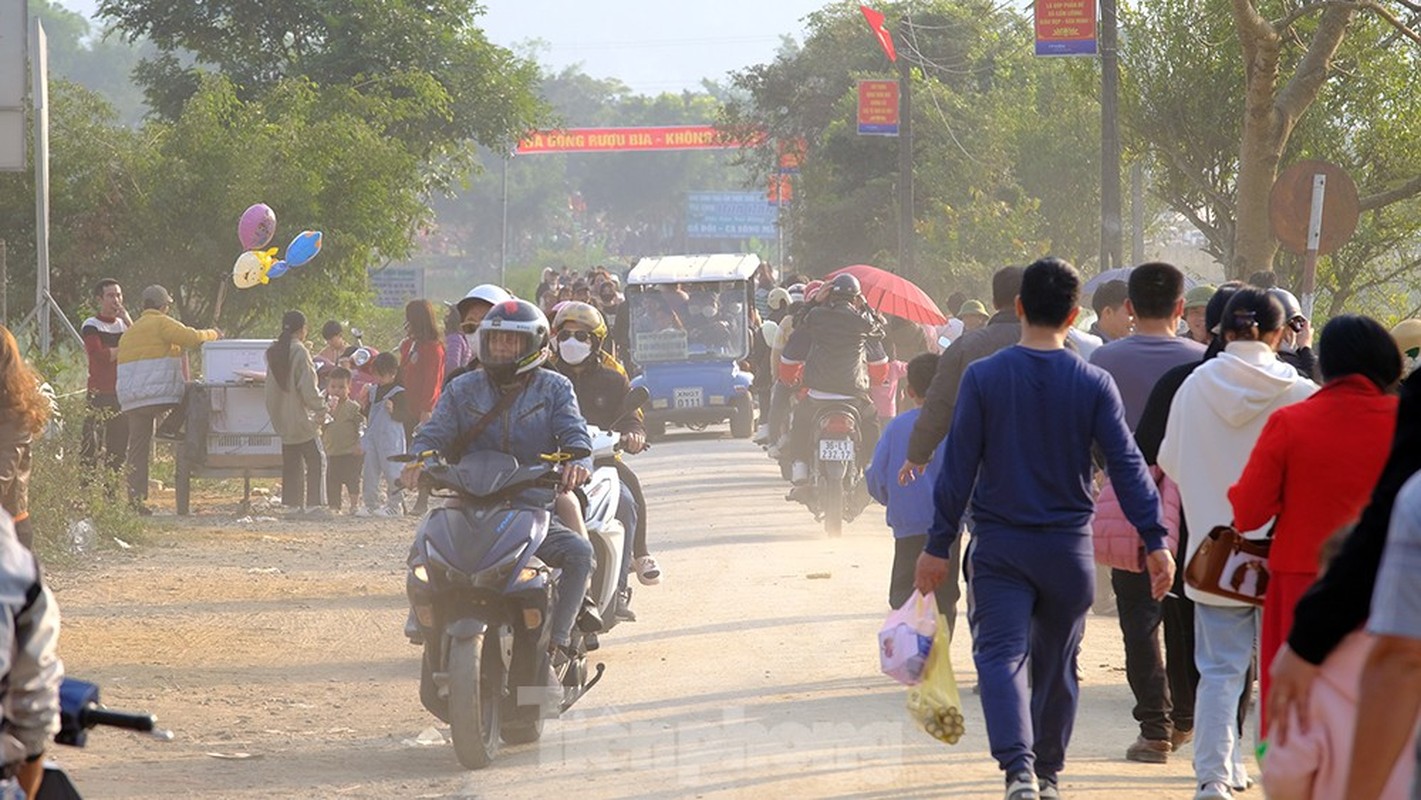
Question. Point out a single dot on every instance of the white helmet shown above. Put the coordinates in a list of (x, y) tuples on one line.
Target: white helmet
[(487, 292)]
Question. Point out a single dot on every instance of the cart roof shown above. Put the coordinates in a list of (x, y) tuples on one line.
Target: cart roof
[(693, 269)]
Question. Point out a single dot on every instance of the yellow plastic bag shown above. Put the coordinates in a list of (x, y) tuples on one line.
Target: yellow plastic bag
[(934, 703)]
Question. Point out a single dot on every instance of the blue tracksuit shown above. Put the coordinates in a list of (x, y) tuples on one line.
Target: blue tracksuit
[(1022, 435)]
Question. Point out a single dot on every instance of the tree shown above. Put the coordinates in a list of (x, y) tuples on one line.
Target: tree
[(993, 184), (101, 63), (1216, 148), (456, 86)]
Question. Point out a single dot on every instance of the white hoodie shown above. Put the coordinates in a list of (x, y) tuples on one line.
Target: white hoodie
[(1215, 419)]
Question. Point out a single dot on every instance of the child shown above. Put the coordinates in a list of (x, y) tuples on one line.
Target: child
[(1313, 763), (910, 508), (387, 413), (341, 436)]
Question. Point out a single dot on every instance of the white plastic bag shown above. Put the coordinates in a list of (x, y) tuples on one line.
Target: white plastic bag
[(906, 638)]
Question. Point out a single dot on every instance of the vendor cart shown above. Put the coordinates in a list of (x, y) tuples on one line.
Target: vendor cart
[(227, 432)]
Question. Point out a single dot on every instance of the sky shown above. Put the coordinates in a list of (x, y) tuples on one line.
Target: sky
[(653, 46)]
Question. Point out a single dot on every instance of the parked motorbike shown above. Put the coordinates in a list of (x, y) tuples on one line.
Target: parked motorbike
[(482, 599), (80, 711)]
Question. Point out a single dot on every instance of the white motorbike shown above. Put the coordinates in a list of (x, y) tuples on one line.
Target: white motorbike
[(604, 495)]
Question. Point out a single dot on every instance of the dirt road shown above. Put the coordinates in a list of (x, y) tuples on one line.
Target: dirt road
[(752, 671)]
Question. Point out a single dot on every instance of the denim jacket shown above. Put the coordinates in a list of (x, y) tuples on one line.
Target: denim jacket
[(544, 418)]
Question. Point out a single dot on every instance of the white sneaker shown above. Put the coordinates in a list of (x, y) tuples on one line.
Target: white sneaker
[(385, 511), (762, 434), (1214, 790), (362, 511)]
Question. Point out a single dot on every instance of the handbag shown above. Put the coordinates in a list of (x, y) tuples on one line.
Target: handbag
[(1228, 565)]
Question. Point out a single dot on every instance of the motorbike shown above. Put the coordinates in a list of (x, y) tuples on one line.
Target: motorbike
[(482, 599), (79, 712), (834, 468)]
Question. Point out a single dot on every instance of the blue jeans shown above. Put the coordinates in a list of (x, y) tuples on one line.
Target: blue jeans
[(571, 553), (1224, 640), (1029, 593)]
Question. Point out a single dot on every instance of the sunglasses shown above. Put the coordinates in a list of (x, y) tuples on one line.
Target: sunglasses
[(581, 336)]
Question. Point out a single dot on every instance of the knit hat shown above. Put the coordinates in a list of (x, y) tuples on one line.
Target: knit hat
[(1198, 297), (973, 308)]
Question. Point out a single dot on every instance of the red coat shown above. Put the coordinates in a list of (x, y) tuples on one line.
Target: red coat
[(1314, 468), (422, 374)]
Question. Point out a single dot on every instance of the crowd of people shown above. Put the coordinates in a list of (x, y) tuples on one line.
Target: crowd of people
[(1177, 414)]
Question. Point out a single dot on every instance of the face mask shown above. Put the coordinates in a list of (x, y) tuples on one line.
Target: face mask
[(574, 352), (473, 340)]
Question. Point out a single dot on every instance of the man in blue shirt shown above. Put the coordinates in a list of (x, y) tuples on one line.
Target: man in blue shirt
[(1020, 451)]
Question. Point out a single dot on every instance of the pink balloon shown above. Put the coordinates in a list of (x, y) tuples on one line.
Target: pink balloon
[(257, 226)]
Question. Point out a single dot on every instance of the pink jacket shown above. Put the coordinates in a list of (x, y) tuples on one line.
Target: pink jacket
[(1314, 764), (1117, 544)]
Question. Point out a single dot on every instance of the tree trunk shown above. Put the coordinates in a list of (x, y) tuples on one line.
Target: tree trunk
[(1269, 116)]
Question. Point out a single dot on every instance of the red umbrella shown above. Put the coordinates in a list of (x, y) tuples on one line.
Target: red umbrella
[(893, 294)]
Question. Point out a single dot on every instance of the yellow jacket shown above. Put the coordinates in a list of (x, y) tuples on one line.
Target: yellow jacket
[(150, 360)]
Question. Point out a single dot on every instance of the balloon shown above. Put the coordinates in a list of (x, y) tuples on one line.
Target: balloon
[(277, 270), (303, 248), (247, 272), (257, 226)]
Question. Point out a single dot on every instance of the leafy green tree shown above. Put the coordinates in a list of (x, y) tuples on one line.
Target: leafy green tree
[(1003, 143), (452, 84), (1215, 149)]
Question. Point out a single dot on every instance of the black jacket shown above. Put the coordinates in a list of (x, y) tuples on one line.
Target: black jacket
[(1341, 599), (1001, 331), (600, 393), (836, 343)]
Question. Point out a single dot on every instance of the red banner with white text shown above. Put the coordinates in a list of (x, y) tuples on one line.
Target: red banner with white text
[(628, 140)]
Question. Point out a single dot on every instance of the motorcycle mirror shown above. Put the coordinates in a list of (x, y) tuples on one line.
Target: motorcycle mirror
[(635, 399), (770, 331)]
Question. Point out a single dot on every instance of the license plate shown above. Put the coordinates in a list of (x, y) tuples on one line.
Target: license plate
[(836, 450), (689, 398)]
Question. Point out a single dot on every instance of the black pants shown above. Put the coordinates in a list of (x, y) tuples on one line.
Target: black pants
[(906, 550), (1163, 683), (302, 475), (105, 434), (631, 481), (343, 475)]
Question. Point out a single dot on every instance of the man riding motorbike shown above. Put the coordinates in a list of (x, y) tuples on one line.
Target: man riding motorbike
[(535, 413), (835, 351), (601, 386)]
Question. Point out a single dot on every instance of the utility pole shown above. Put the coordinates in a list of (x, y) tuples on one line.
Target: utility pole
[(905, 166), (503, 239), (1110, 201)]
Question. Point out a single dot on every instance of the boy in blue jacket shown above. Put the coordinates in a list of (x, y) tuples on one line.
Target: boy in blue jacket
[(910, 507)]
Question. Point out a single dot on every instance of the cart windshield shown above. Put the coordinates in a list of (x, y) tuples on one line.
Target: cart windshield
[(690, 322)]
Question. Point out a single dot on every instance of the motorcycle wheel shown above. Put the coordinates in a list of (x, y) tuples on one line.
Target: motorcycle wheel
[(831, 503), (475, 689)]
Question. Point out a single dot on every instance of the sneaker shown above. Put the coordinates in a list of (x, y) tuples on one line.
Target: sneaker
[(1049, 789), (362, 511), (1214, 790), (386, 511), (648, 571), (1179, 739), (801, 493), (762, 434), (1149, 751), (1022, 786), (1247, 784)]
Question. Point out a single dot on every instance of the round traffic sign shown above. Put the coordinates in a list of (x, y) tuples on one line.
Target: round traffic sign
[(1290, 206)]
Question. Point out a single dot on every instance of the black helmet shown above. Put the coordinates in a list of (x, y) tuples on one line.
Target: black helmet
[(518, 317), (844, 287)]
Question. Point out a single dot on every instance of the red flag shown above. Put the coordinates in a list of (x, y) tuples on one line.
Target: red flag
[(875, 23)]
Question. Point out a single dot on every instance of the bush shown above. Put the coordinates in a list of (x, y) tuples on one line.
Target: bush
[(63, 491)]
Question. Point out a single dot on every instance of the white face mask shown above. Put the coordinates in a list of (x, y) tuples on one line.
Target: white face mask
[(574, 352), (473, 340)]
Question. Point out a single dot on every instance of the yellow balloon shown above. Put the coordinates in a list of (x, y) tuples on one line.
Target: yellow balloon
[(248, 271)]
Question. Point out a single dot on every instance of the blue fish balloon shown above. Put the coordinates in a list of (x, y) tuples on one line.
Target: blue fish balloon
[(303, 248)]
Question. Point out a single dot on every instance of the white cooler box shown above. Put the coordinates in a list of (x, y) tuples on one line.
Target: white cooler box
[(222, 359)]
